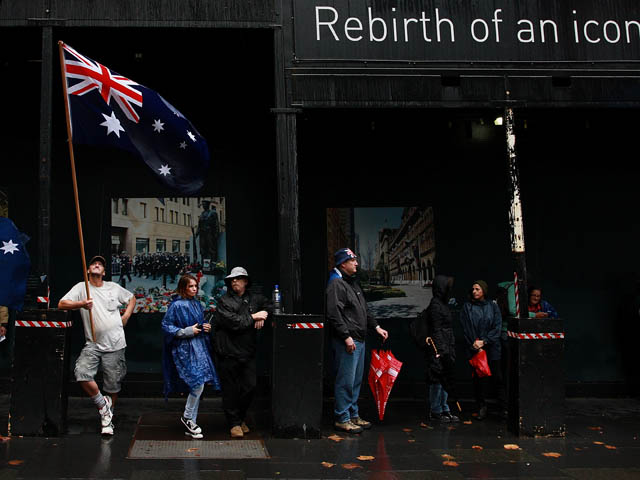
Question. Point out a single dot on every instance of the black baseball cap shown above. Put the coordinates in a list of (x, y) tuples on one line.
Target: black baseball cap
[(98, 258)]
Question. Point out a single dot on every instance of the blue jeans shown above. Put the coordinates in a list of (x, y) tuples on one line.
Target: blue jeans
[(193, 401), (438, 398), (349, 369)]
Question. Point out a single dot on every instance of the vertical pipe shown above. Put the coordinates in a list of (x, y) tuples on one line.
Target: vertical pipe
[(516, 221), (287, 171), (44, 170)]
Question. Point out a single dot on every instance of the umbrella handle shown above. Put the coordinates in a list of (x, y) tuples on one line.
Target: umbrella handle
[(430, 341)]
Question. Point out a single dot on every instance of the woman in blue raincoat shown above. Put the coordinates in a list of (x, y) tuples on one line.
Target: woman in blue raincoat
[(186, 362)]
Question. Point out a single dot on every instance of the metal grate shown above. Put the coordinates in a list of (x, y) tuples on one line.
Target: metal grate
[(198, 449)]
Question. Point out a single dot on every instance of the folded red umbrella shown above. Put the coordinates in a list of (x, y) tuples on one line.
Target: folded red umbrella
[(480, 364), (388, 378), (377, 368)]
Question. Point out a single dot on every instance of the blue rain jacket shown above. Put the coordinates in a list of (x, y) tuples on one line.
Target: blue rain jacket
[(186, 361)]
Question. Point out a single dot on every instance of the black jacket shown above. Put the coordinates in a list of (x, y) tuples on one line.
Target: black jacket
[(234, 334), (439, 318), (347, 309)]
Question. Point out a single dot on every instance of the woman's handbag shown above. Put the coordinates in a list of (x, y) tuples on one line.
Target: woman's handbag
[(480, 364)]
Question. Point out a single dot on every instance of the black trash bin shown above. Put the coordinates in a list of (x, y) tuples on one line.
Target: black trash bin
[(296, 393), (536, 377), (40, 373)]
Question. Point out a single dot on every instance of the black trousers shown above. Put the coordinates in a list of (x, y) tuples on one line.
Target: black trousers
[(238, 382), (492, 386)]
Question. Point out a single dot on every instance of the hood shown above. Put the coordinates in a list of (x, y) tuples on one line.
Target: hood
[(442, 286)]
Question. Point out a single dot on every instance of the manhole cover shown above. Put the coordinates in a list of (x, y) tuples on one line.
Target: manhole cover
[(198, 449)]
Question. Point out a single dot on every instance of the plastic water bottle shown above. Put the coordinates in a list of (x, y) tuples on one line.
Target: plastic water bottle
[(277, 300)]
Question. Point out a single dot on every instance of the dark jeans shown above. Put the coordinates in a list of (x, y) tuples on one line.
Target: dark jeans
[(238, 382), (489, 386)]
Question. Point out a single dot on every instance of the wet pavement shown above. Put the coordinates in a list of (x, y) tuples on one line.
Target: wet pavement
[(601, 443)]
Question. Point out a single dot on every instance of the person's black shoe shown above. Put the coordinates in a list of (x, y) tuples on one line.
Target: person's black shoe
[(482, 413), (441, 417), (452, 418)]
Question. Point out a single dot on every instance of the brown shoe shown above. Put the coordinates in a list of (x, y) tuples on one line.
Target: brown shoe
[(244, 428), (348, 427), (236, 432), (360, 422)]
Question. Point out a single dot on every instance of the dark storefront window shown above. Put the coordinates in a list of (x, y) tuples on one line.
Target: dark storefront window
[(161, 245), (175, 246), (142, 245)]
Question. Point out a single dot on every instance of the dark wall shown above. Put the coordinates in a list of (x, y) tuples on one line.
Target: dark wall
[(578, 194)]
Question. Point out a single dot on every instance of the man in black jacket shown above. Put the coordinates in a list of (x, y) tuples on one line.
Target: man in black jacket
[(240, 314), (349, 318)]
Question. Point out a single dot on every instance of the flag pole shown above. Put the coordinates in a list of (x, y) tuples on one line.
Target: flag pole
[(75, 183)]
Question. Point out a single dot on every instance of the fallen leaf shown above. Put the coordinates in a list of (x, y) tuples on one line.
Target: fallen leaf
[(552, 454), (351, 466), (578, 449), (446, 456), (449, 463), (424, 425), (335, 438), (477, 447), (474, 414), (407, 430), (467, 422), (594, 428), (192, 449), (598, 443), (511, 446), (15, 462), (328, 465), (411, 440), (451, 427), (366, 457), (4, 439), (610, 447)]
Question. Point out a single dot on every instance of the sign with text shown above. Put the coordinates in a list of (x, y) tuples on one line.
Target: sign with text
[(467, 31)]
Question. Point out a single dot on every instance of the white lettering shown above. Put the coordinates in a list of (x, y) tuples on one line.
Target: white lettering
[(348, 29), (496, 21), (555, 30), (424, 20), (407, 21), (395, 27), (473, 30), (328, 24), (531, 35), (373, 20), (440, 21), (575, 29), (606, 34), (586, 33), (627, 25)]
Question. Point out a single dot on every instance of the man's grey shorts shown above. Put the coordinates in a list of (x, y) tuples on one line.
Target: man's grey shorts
[(114, 367)]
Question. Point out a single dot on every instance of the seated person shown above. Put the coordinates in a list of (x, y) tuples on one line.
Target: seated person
[(538, 307)]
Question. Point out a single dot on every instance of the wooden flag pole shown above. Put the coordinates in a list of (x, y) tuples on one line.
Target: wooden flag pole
[(75, 183)]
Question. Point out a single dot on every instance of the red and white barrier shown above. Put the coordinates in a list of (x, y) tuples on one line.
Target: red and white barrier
[(536, 336), (46, 323), (305, 325)]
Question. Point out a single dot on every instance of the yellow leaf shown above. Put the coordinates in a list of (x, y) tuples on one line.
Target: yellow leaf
[(328, 465), (335, 438), (350, 466), (16, 462), (598, 443), (366, 457), (511, 446), (449, 463), (411, 440), (446, 456), (594, 428), (610, 447), (425, 425), (552, 454), (467, 422), (477, 447), (192, 449), (407, 430)]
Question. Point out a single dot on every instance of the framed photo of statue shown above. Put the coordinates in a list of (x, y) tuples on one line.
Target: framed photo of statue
[(154, 241)]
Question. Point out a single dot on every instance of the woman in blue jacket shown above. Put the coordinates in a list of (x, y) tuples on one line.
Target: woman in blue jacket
[(482, 324), (186, 362)]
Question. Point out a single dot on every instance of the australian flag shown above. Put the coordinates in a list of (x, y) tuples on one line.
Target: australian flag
[(111, 110), (14, 265)]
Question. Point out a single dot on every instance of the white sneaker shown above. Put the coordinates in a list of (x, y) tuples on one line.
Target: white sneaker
[(195, 436), (106, 413), (107, 430), (191, 426)]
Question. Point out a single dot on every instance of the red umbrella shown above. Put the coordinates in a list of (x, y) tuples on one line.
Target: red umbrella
[(383, 372)]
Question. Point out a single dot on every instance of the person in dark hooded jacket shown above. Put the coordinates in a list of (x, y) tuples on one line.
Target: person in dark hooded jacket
[(239, 315), (482, 325), (440, 356)]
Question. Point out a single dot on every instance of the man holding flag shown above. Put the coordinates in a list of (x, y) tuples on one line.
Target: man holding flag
[(106, 348)]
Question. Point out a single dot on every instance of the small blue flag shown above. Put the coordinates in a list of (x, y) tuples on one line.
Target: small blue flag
[(111, 110), (14, 265)]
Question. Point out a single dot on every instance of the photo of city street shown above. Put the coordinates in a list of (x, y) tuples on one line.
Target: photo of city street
[(156, 240), (396, 255)]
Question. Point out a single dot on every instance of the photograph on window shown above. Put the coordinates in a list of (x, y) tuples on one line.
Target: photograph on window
[(156, 240), (396, 255)]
